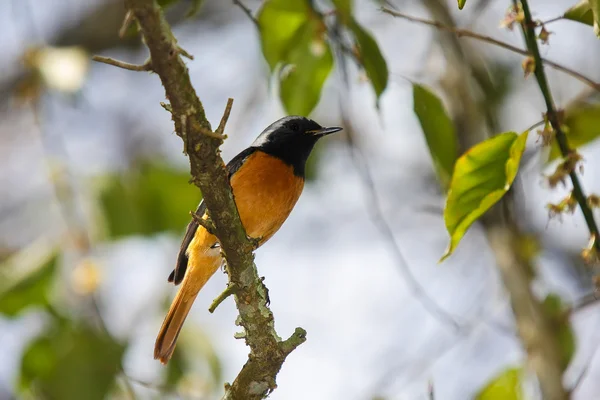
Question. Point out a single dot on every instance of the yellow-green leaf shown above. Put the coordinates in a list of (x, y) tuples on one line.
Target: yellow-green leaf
[(595, 5), (344, 10), (371, 58), (438, 130), (33, 291), (580, 12), (309, 62), (461, 4), (481, 177), (583, 126), (506, 386), (279, 22)]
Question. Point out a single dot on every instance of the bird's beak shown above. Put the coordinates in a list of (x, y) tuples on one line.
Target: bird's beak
[(325, 131)]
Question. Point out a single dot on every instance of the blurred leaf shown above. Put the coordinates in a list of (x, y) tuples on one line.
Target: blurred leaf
[(595, 5), (309, 63), (155, 198), (279, 20), (344, 10), (371, 58), (438, 130), (506, 386), (313, 162), (481, 177), (176, 368), (368, 52), (166, 3), (556, 311), (63, 69), (32, 291), (194, 8), (71, 363), (461, 4), (580, 12), (583, 126)]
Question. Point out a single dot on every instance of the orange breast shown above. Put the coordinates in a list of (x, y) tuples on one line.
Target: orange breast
[(265, 191)]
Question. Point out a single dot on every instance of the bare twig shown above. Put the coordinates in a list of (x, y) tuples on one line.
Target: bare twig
[(205, 223), (470, 34), (267, 351), (247, 11), (527, 26), (147, 66), (229, 290), (376, 213), (126, 23)]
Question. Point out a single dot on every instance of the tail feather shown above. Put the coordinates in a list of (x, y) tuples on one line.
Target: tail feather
[(167, 337)]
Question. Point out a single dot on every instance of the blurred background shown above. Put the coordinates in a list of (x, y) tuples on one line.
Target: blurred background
[(95, 199)]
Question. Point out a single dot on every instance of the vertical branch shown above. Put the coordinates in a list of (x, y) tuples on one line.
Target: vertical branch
[(538, 337), (267, 351), (528, 28)]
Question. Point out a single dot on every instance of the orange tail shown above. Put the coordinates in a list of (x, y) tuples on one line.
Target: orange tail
[(167, 337)]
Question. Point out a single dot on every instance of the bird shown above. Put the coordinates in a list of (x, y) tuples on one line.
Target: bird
[(267, 180)]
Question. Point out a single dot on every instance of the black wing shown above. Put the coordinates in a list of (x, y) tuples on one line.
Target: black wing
[(182, 259)]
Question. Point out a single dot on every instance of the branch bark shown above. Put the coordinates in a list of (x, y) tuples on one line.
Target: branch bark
[(535, 329), (267, 351)]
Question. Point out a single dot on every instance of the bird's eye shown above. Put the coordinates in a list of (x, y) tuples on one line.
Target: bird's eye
[(294, 126)]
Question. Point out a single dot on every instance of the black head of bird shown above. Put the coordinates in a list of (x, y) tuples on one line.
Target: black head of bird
[(292, 139)]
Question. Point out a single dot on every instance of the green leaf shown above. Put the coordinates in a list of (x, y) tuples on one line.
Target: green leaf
[(506, 386), (176, 368), (461, 4), (194, 8), (71, 363), (279, 21), (438, 130), (580, 12), (481, 177), (583, 126), (595, 6), (371, 58), (556, 311), (164, 4), (344, 10), (32, 291), (309, 63), (153, 198)]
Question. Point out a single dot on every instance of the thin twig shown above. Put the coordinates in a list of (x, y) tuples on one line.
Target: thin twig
[(126, 23), (206, 223), (225, 118), (248, 12), (527, 27), (470, 34), (147, 66), (379, 219), (229, 290)]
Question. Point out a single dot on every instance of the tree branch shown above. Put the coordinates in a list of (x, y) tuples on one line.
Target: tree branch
[(267, 351), (528, 28), (473, 35), (538, 337)]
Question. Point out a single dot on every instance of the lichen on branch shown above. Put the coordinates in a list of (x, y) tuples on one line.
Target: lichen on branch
[(267, 351)]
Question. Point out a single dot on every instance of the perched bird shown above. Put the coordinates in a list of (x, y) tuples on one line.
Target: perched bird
[(267, 179)]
